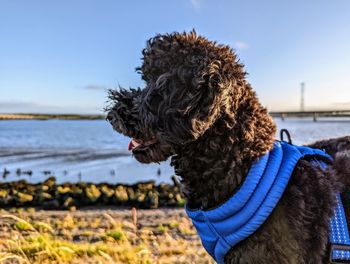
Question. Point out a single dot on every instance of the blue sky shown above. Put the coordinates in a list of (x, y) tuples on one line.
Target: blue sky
[(61, 56)]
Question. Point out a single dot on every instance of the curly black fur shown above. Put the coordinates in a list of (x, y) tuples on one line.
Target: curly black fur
[(198, 109)]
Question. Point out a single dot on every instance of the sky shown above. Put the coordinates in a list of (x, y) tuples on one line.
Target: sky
[(61, 56)]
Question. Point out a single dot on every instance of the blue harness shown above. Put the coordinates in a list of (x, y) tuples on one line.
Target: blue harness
[(223, 227)]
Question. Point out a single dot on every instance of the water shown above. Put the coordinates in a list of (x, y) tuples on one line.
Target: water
[(73, 151), (91, 151), (304, 131)]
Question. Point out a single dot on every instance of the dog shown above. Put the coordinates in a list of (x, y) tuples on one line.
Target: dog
[(198, 109)]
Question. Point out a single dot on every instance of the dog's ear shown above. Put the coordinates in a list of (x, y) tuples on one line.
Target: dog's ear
[(204, 103), (183, 103)]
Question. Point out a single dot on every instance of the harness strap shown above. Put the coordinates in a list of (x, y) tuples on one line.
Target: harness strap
[(339, 235), (223, 227)]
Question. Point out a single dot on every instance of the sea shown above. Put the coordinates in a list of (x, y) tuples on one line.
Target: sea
[(90, 151)]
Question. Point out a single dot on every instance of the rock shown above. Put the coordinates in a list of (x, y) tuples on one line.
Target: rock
[(52, 196), (131, 194), (121, 195), (107, 191), (107, 194), (46, 196), (152, 200), (63, 189), (141, 197), (19, 185), (51, 205), (92, 193), (44, 188), (31, 189), (146, 186), (180, 201), (23, 198), (69, 202), (3, 193), (5, 173), (41, 197), (4, 197), (77, 191), (29, 172), (50, 182)]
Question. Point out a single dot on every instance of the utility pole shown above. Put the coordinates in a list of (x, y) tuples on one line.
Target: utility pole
[(302, 102)]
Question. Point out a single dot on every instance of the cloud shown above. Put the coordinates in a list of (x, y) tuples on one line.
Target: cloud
[(94, 87), (241, 45), (195, 4)]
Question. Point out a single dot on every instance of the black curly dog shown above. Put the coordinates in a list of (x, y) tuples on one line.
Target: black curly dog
[(198, 109)]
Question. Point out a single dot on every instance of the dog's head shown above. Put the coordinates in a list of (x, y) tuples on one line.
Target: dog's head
[(190, 83)]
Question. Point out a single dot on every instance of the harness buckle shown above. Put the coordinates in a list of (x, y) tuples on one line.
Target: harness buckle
[(338, 247)]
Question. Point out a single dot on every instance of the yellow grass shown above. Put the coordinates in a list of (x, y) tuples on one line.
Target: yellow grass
[(27, 239)]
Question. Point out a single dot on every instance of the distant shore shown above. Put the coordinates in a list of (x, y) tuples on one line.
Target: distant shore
[(50, 116)]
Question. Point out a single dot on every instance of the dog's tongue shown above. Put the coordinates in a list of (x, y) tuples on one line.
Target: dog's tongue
[(133, 144)]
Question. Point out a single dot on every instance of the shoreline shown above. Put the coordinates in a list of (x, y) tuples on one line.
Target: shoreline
[(78, 164), (50, 116)]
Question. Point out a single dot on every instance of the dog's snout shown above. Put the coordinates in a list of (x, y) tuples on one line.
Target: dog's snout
[(109, 117)]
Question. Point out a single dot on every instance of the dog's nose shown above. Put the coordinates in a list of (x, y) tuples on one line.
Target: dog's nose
[(109, 117)]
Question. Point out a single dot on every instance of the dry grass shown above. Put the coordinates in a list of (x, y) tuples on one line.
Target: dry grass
[(99, 236)]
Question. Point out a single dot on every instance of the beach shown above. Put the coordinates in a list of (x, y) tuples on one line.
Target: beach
[(83, 167)]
